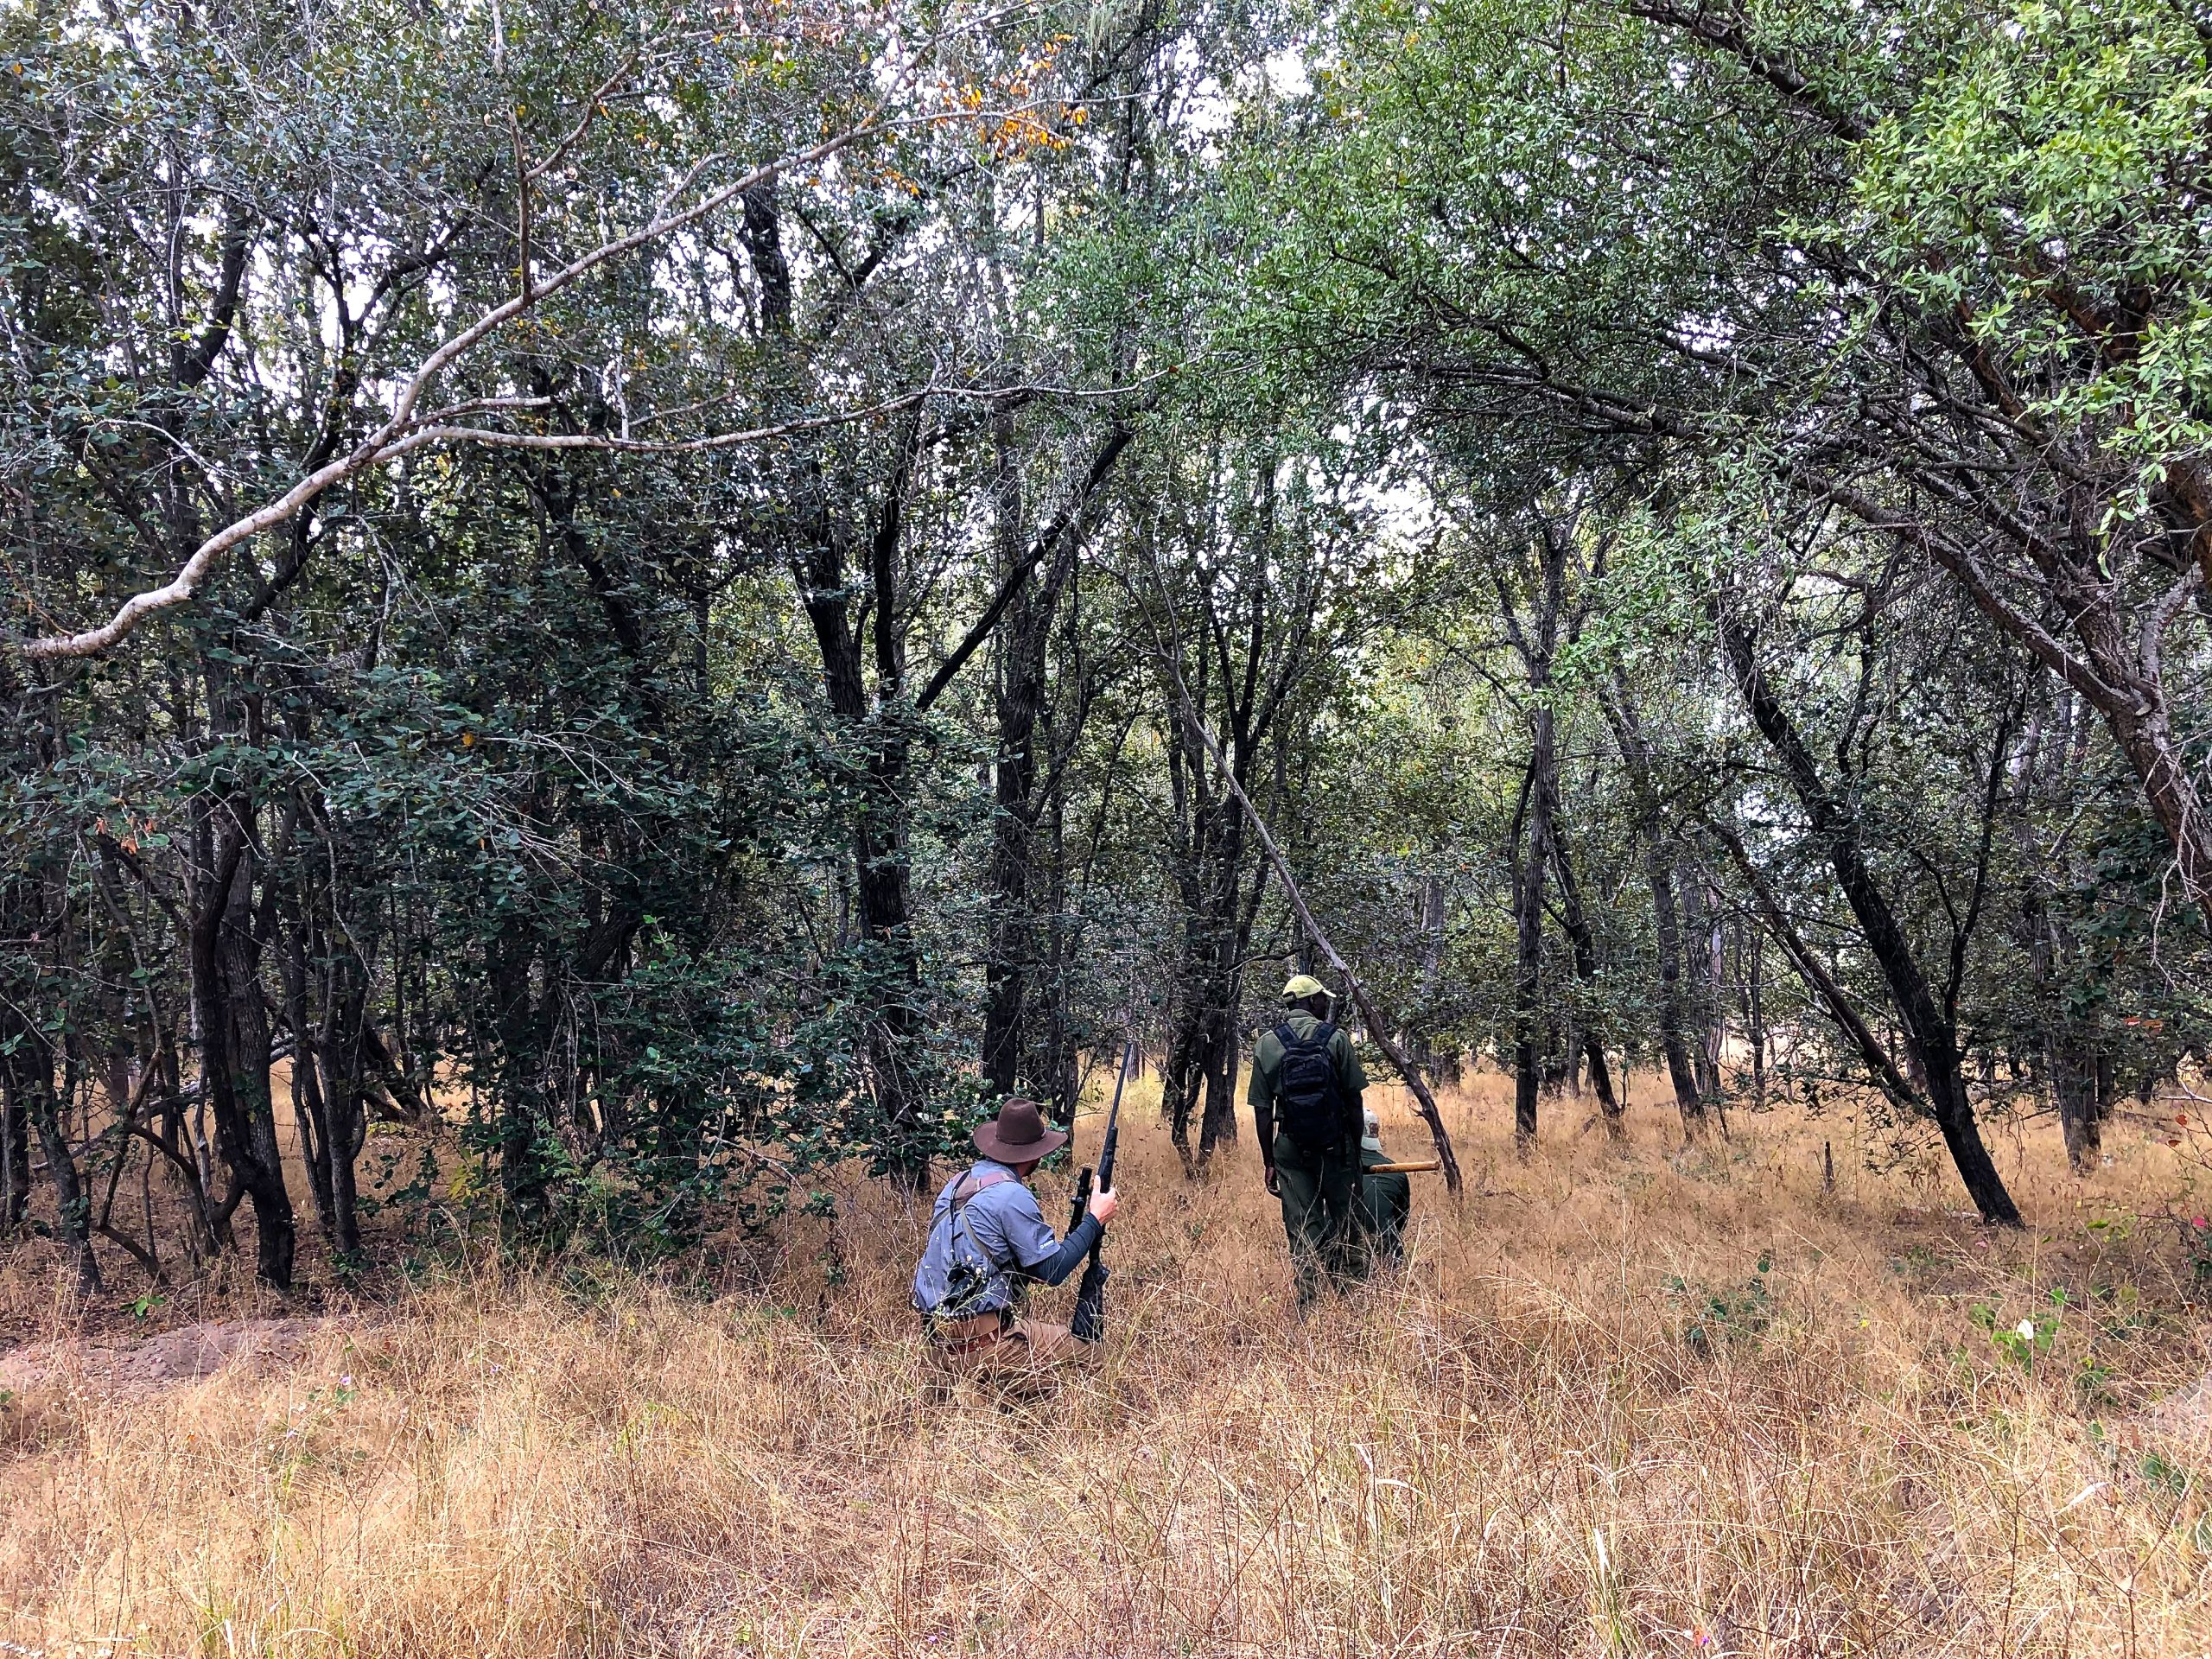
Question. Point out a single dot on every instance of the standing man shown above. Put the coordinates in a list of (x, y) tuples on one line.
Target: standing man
[(1306, 1096), (989, 1243)]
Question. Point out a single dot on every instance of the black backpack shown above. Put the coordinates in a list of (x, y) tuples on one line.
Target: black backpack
[(1310, 1100)]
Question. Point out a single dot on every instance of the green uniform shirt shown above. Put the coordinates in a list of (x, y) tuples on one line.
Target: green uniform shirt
[(1266, 1072)]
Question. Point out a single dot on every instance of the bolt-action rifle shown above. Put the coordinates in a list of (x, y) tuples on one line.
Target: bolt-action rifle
[(1090, 1321)]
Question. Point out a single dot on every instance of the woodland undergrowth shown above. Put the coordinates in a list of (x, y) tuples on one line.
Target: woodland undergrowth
[(1620, 1403)]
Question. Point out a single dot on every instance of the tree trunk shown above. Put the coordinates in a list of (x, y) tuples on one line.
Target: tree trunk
[(1931, 1038), (2147, 739), (1057, 1063), (1704, 994), (1218, 1122), (307, 1112), (1586, 961), (344, 1066), (1213, 942), (245, 1111), (519, 1102), (2074, 1079), (1024, 631), (1659, 858), (1750, 950), (14, 1157), (29, 1075), (1528, 936)]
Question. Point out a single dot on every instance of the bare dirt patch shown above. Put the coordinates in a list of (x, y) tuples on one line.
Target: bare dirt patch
[(183, 1355)]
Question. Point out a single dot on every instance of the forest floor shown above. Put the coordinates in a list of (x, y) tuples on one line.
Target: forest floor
[(1621, 1403)]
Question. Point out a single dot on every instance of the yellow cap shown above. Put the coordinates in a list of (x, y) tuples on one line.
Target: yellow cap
[(1303, 986)]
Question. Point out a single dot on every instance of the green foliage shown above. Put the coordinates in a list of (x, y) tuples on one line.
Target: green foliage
[(1714, 1317), (2023, 1344), (2046, 179)]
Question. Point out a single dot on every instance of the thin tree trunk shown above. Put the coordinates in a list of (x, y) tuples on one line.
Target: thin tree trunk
[(1931, 1038), (1528, 937), (1703, 1000), (1584, 943), (1749, 942), (1659, 851), (14, 1157)]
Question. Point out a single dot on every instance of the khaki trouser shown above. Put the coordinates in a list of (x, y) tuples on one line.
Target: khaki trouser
[(1029, 1348)]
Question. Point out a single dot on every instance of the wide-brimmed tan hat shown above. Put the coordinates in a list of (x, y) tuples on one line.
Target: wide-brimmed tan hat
[(1018, 1134)]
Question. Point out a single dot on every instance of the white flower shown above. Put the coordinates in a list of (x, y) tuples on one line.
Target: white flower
[(2027, 1329)]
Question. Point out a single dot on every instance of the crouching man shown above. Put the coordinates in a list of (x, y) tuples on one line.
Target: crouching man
[(989, 1243), (1386, 1202)]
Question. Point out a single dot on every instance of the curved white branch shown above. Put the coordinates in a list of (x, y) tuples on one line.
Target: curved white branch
[(401, 431)]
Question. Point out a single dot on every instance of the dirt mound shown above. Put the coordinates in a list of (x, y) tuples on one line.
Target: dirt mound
[(183, 1355)]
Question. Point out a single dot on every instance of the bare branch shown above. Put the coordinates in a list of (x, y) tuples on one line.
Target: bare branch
[(554, 157), (401, 429)]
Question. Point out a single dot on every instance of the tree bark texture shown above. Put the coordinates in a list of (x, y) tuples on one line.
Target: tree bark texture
[(235, 1045), (1584, 940)]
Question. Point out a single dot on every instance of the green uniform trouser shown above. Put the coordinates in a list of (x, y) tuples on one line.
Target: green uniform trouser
[(1385, 1203), (1319, 1190)]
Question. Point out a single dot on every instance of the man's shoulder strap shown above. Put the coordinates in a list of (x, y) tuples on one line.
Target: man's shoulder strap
[(978, 1180)]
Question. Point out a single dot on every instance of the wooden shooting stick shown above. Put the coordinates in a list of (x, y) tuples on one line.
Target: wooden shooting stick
[(1410, 1166), (1377, 1028)]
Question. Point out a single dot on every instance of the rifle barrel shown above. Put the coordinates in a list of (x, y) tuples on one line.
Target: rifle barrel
[(1410, 1166), (1112, 1142)]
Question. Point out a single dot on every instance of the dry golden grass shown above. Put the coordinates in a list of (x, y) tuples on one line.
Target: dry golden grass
[(1520, 1447)]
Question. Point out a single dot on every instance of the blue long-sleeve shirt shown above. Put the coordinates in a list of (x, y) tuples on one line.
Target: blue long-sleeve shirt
[(1056, 1268), (1002, 1234)]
